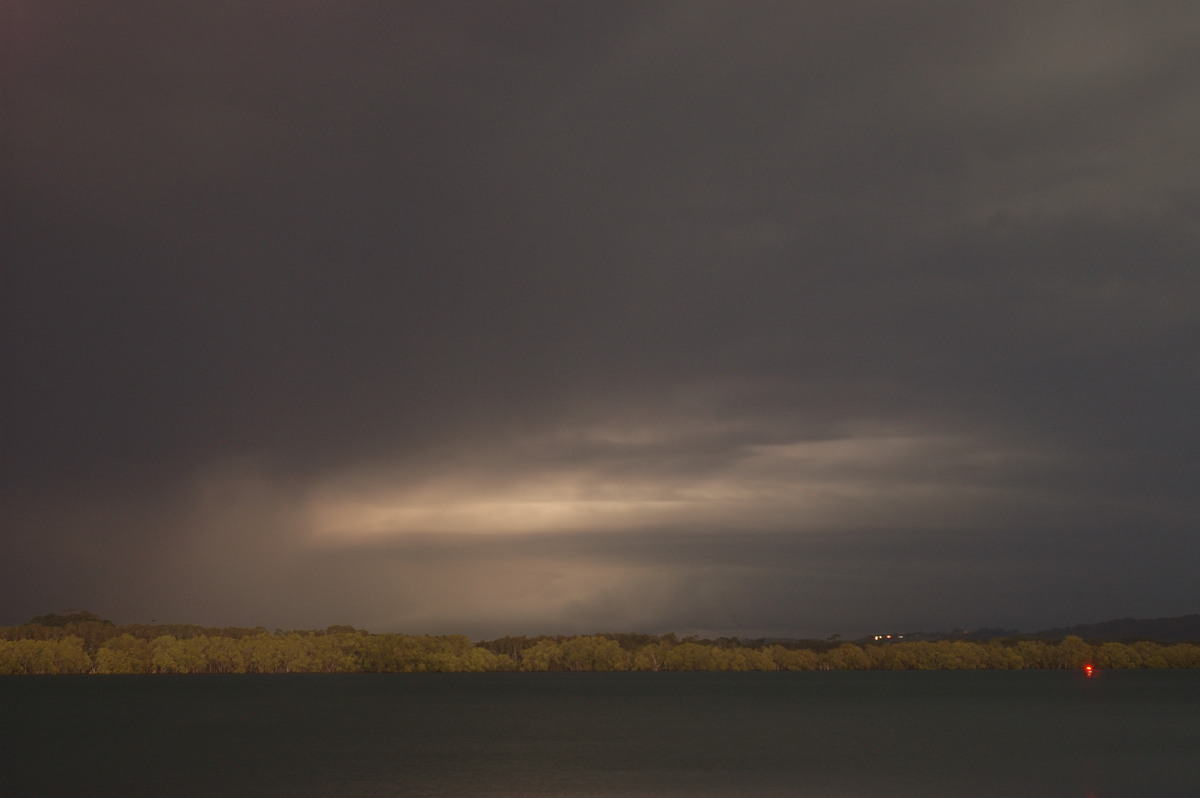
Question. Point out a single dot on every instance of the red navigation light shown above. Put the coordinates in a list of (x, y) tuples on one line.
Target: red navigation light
[(1089, 670)]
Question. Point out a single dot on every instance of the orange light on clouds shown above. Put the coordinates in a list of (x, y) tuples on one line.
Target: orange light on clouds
[(568, 484)]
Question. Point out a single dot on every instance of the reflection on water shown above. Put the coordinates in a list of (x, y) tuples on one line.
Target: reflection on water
[(824, 735)]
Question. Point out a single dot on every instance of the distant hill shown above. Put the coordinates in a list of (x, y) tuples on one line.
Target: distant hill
[(1185, 628), (68, 617), (983, 633)]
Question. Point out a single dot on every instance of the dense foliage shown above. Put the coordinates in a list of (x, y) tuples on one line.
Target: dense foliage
[(84, 643)]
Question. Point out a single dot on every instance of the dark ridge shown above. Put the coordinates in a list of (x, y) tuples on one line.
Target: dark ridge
[(981, 634), (68, 617), (1182, 629)]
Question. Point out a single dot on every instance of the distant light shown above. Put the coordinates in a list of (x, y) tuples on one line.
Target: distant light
[(1089, 670)]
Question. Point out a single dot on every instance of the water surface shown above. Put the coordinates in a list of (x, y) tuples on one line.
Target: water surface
[(813, 735)]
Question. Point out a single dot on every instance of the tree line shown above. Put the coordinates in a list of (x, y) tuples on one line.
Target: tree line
[(84, 643)]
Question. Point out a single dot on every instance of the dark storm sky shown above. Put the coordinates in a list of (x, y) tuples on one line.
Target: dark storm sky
[(521, 317)]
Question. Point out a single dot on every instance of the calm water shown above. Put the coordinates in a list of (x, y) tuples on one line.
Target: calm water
[(824, 735)]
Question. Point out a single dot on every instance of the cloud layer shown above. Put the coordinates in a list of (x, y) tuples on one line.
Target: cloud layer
[(702, 316)]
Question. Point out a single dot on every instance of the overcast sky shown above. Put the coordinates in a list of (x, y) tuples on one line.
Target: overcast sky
[(706, 316)]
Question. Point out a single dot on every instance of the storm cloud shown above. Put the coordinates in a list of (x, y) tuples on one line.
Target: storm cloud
[(518, 317)]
